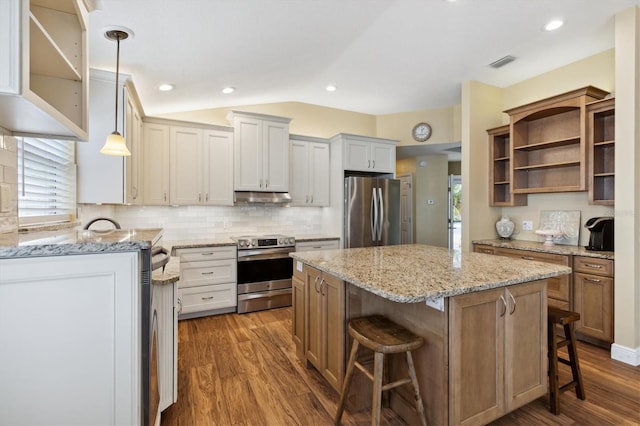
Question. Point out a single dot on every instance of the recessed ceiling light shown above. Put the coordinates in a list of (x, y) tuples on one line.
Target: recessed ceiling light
[(228, 90), (166, 87), (332, 88), (553, 24)]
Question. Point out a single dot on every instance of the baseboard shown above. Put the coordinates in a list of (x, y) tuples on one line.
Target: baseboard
[(626, 355)]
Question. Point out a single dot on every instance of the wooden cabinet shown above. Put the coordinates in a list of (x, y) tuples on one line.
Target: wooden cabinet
[(367, 154), (324, 324), (548, 143), (156, 163), (104, 178), (500, 169), (309, 181), (44, 67), (298, 308), (261, 152), (601, 147), (70, 332), (593, 282), (498, 351), (208, 281), (559, 288)]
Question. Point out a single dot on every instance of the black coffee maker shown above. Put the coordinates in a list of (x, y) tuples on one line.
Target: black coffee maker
[(601, 237)]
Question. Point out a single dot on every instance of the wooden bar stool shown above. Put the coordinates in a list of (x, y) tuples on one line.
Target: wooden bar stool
[(565, 319), (382, 336)]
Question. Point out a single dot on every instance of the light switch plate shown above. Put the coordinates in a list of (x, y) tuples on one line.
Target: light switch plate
[(5, 198)]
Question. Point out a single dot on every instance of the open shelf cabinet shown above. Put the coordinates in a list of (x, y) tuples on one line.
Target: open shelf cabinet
[(601, 147), (548, 143), (500, 169)]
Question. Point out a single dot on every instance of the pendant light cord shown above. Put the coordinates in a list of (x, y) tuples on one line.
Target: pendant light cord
[(117, 72)]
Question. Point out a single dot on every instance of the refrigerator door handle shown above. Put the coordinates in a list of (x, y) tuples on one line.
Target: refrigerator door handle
[(374, 215), (381, 218)]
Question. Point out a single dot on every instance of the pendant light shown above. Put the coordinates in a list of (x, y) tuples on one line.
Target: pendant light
[(115, 144)]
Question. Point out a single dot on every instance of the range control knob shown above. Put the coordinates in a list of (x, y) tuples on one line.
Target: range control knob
[(254, 243), (281, 241), (242, 243)]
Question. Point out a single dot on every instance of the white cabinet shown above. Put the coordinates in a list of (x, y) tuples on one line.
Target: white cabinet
[(165, 299), (70, 332), (318, 245), (261, 152), (309, 184), (44, 67), (208, 281), (367, 154), (156, 164), (200, 166), (104, 178)]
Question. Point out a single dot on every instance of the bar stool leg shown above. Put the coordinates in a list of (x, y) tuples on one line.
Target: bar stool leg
[(416, 389), (554, 392), (378, 367), (347, 380), (573, 359)]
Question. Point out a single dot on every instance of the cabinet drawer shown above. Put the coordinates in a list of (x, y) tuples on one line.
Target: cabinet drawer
[(593, 265), (204, 298), (206, 253), (558, 259), (204, 273), (318, 245), (478, 248)]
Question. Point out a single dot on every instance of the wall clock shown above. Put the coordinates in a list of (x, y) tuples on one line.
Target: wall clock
[(421, 132)]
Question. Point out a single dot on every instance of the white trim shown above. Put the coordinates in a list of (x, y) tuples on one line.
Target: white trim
[(626, 355)]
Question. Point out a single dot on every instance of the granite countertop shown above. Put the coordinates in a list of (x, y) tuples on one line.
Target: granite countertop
[(415, 273), (540, 247), (73, 241)]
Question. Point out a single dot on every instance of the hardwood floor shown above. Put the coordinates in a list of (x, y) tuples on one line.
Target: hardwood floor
[(242, 369)]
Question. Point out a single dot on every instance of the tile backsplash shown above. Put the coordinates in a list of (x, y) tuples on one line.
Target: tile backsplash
[(9, 176), (210, 222)]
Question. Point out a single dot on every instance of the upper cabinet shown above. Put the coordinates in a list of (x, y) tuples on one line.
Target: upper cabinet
[(548, 143), (156, 163), (500, 169), (309, 171), (368, 154), (601, 137), (261, 152), (104, 178), (44, 67)]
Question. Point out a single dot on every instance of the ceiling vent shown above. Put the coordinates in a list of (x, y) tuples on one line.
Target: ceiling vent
[(502, 61)]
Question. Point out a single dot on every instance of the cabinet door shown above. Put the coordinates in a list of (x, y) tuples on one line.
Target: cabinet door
[(186, 166), (248, 154), (297, 327), (218, 168), (275, 151), (313, 317), (319, 174), (164, 298), (299, 186), (594, 303), (133, 164), (476, 356), (383, 158), (525, 344), (10, 52), (333, 306), (156, 163), (357, 155)]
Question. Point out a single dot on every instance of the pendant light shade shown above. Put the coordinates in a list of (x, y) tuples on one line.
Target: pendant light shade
[(115, 144)]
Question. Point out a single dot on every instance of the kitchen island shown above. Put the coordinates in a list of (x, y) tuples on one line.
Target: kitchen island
[(483, 319)]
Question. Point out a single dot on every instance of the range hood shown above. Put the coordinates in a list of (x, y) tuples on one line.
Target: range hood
[(264, 198)]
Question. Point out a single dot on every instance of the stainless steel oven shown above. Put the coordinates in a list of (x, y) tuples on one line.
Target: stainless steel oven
[(264, 272)]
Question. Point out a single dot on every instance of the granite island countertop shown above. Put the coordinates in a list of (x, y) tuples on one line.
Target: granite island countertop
[(540, 247), (415, 273), (74, 241)]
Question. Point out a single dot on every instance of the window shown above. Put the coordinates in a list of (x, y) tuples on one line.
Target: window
[(46, 180)]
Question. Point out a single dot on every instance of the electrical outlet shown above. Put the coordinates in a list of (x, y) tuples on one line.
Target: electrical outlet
[(527, 225)]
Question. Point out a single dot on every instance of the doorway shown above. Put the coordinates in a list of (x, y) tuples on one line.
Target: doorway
[(406, 208), (455, 212)]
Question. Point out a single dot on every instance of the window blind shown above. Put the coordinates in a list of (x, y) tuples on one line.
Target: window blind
[(46, 180)]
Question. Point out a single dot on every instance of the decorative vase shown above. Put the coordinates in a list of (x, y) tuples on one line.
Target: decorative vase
[(505, 227)]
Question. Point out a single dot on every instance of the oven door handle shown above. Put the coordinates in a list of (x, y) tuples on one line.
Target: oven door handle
[(262, 254)]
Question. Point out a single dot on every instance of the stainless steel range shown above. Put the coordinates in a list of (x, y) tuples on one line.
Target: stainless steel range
[(264, 272)]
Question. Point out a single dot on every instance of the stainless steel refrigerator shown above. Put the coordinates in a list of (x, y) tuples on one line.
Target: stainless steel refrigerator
[(371, 211)]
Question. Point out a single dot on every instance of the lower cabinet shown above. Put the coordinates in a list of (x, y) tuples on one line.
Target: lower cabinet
[(165, 299), (498, 347), (318, 245), (208, 281), (593, 286), (324, 339)]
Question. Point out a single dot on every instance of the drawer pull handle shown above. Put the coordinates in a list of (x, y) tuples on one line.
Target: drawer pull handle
[(207, 254), (207, 273), (513, 299), (591, 265), (528, 258), (315, 284), (487, 251), (593, 280), (207, 298), (504, 306)]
